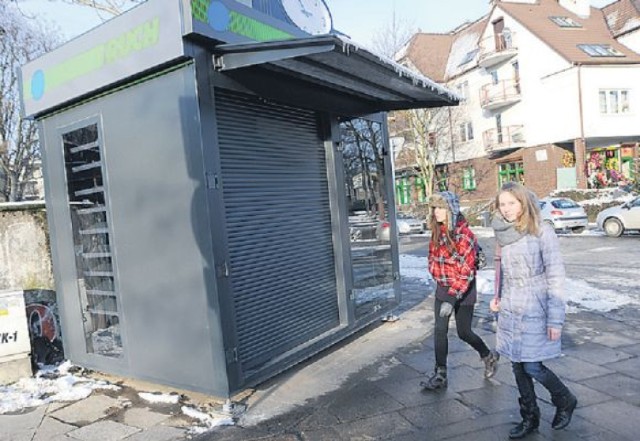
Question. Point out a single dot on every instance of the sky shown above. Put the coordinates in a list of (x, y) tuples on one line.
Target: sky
[(360, 19)]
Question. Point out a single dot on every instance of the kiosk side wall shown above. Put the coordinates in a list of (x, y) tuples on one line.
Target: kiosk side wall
[(158, 216)]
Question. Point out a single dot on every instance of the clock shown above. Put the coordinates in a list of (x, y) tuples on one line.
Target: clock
[(312, 16)]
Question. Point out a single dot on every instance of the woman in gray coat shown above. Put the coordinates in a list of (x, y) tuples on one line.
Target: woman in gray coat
[(531, 305)]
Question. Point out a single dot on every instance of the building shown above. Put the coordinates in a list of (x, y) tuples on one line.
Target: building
[(551, 98), (196, 155)]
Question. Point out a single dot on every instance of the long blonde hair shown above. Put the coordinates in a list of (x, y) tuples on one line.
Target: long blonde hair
[(529, 221)]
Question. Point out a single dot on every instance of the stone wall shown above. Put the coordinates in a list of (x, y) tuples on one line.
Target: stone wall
[(25, 257)]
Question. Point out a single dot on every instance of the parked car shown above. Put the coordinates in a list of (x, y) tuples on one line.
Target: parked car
[(406, 223), (616, 220), (563, 214)]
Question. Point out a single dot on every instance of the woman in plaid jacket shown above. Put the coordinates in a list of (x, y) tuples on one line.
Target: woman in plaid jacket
[(452, 263)]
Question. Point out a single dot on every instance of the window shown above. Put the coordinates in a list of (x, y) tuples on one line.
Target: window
[(466, 132), (511, 171), (89, 210), (565, 22), (614, 101), (494, 77), (468, 57), (463, 90), (468, 178), (600, 50)]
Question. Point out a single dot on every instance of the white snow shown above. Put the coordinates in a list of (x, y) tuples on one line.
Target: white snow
[(159, 398), (48, 385), (580, 295), (210, 421)]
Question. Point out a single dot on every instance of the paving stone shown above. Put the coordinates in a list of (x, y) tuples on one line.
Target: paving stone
[(619, 386), (326, 434), (586, 395), (630, 367), (51, 428), (320, 419), (57, 405), (422, 361), (499, 423), (464, 378), (614, 340), (618, 417), (362, 401), (596, 353), (103, 431), (492, 399), (143, 418), (386, 426), (573, 369), (23, 421), (159, 433), (409, 393), (444, 412), (86, 411), (633, 349)]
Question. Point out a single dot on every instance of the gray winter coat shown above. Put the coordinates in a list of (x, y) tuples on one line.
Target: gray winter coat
[(532, 300)]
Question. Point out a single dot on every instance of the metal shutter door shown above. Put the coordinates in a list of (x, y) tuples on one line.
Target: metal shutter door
[(275, 189)]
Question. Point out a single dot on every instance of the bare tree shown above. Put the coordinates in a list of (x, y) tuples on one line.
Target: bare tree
[(391, 38), (363, 155), (19, 149), (109, 7)]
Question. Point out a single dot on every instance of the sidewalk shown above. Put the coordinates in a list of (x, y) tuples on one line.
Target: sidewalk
[(367, 389)]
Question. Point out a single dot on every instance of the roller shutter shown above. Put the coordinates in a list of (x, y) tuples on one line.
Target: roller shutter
[(274, 181)]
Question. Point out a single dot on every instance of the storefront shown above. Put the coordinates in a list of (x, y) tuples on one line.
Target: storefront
[(199, 160), (612, 166)]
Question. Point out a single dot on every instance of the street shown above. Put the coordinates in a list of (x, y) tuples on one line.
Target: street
[(607, 266)]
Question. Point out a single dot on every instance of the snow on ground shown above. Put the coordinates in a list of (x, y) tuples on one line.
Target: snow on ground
[(57, 384), (50, 384), (580, 294)]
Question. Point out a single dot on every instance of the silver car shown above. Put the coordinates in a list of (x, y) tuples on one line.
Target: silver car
[(616, 220), (406, 224), (563, 214)]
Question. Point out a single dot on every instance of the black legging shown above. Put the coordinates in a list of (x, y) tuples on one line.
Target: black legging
[(464, 315)]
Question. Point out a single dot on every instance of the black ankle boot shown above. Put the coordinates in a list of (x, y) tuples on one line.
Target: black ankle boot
[(437, 381), (565, 405), (530, 420)]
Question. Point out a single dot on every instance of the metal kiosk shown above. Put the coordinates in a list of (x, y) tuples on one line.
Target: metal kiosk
[(203, 164)]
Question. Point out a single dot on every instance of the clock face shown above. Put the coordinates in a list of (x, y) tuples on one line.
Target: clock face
[(312, 16)]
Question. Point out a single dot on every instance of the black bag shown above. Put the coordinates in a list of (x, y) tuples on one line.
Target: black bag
[(481, 258)]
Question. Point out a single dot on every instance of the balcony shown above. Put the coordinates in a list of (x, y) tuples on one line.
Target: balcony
[(496, 49), (494, 96), (510, 137)]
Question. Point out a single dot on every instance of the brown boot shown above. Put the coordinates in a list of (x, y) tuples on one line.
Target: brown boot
[(491, 364), (437, 381)]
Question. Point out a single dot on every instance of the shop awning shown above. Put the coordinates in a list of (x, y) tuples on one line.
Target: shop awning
[(332, 73)]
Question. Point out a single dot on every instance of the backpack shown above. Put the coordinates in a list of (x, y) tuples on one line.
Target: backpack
[(481, 257)]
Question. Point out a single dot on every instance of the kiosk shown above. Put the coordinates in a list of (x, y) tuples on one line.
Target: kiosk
[(203, 164)]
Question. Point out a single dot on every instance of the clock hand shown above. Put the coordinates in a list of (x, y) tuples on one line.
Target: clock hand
[(303, 9)]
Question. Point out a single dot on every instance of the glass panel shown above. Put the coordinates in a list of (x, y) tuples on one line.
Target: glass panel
[(363, 157), (624, 101), (603, 101), (613, 101), (94, 265)]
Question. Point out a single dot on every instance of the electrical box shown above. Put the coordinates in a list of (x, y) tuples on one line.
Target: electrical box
[(15, 344)]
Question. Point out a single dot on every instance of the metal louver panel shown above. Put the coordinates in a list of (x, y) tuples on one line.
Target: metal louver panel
[(275, 189)]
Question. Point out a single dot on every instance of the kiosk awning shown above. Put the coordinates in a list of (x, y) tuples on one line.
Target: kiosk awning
[(332, 68)]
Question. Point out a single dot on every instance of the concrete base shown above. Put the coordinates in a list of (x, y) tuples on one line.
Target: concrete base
[(11, 371)]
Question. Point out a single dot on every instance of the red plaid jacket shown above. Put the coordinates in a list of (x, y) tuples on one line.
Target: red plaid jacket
[(458, 269)]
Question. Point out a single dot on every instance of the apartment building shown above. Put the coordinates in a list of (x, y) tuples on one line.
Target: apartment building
[(551, 98)]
